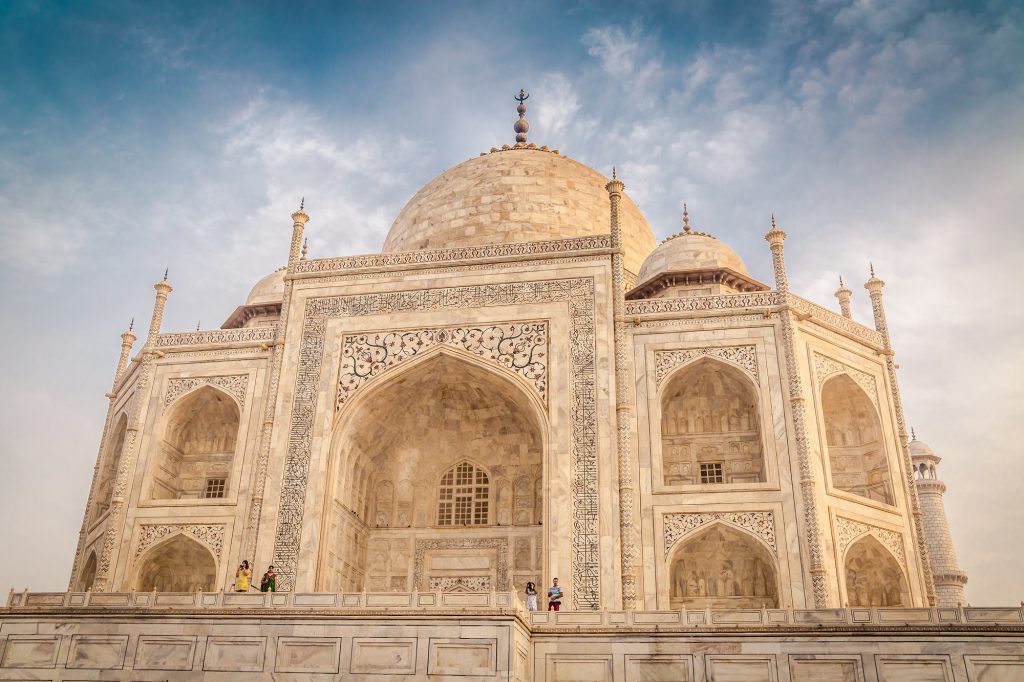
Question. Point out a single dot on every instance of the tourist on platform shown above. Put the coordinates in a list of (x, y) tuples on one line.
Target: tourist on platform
[(242, 576), (554, 596), (269, 581), (531, 597)]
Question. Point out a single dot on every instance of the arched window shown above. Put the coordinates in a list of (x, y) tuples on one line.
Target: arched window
[(710, 431), (198, 447), (463, 497), (856, 453)]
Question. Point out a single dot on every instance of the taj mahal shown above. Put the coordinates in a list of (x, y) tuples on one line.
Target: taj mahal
[(522, 385)]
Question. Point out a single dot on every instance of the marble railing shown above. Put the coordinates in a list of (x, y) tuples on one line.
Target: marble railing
[(435, 256), (507, 601)]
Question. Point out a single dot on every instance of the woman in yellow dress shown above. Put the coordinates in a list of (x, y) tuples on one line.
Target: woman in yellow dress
[(242, 576)]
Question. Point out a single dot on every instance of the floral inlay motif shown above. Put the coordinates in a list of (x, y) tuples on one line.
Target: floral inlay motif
[(236, 385), (520, 348), (848, 530), (824, 367), (212, 535), (760, 523), (667, 360), (457, 584)]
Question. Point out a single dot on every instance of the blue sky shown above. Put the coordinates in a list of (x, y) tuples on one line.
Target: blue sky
[(139, 136)]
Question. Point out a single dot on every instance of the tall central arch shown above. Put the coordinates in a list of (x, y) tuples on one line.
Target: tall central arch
[(435, 483)]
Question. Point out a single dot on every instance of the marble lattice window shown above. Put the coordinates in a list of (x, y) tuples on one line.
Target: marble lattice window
[(710, 429), (214, 487), (463, 497), (711, 473)]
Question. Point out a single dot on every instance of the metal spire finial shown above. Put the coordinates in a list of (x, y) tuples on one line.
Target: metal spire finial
[(302, 203), (840, 281), (166, 270), (913, 436), (872, 266), (131, 325), (305, 247), (686, 219), (198, 323), (773, 221), (615, 175), (522, 126)]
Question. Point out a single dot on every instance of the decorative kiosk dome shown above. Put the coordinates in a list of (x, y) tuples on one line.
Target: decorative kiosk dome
[(516, 194), (263, 304), (691, 263)]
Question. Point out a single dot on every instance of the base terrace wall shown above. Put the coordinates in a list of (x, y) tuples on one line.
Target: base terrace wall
[(488, 636)]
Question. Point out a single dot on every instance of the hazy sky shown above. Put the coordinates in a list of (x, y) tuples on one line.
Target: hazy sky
[(135, 137)]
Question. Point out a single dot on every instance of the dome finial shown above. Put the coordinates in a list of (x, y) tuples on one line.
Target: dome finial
[(522, 126), (615, 175), (913, 436), (166, 271), (131, 325), (305, 247), (686, 219)]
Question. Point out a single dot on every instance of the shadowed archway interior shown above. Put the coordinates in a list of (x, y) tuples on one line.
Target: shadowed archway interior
[(855, 450), (446, 452), (180, 564), (722, 568), (873, 577)]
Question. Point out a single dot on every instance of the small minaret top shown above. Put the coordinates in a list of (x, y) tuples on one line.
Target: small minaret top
[(844, 294), (522, 125)]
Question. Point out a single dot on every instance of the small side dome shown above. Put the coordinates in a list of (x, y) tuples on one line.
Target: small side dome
[(692, 263), (918, 448), (690, 251), (270, 289)]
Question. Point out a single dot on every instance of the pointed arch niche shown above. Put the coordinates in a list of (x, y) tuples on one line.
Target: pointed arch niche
[(195, 456), (710, 429), (722, 567), (108, 470), (178, 564), (88, 575), (856, 453), (428, 454), (873, 576)]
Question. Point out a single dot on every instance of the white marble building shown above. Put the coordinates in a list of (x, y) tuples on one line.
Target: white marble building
[(524, 385)]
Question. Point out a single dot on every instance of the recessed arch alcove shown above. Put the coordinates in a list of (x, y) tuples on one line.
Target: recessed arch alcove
[(195, 456), (710, 428), (873, 576), (443, 447), (111, 462), (88, 575), (722, 567), (178, 564), (856, 452)]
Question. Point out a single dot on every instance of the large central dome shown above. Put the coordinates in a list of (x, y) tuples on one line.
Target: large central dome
[(516, 195)]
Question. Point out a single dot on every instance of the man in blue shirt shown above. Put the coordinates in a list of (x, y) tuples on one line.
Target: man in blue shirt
[(554, 596)]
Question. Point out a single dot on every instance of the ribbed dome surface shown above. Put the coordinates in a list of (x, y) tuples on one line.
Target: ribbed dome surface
[(517, 195), (690, 251)]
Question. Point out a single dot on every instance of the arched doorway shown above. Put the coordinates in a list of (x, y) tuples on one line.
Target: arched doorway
[(179, 564), (710, 430), (873, 576), (722, 567), (856, 453), (432, 484), (88, 575), (195, 456), (108, 472)]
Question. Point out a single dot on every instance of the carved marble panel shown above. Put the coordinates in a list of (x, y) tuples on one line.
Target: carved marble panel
[(848, 530), (235, 384), (760, 523), (825, 367), (212, 535), (742, 356), (520, 348), (501, 544)]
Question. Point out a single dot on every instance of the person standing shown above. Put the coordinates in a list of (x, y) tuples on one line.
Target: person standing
[(554, 596), (242, 576), (269, 581), (531, 597)]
